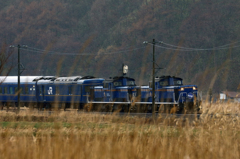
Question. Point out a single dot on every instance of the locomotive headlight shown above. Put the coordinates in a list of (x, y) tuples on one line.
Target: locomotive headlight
[(194, 88), (182, 89)]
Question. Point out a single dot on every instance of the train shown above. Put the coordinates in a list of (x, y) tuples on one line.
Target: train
[(89, 93)]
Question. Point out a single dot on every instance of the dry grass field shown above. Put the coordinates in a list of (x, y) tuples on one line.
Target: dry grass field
[(86, 135)]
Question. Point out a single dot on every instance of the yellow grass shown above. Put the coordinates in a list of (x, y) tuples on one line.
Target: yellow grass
[(87, 135)]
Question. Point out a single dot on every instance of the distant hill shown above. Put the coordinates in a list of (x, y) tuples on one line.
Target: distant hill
[(113, 33)]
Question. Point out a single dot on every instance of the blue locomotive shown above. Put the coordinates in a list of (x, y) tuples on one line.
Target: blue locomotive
[(172, 95), (122, 94), (116, 94)]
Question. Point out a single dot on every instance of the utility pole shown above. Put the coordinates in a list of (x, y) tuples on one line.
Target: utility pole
[(18, 78), (153, 77), (19, 73), (153, 81)]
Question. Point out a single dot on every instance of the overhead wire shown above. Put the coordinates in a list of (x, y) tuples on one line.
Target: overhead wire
[(167, 46), (77, 54), (179, 48), (188, 48)]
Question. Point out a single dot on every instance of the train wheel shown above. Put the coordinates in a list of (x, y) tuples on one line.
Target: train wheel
[(167, 109), (48, 106), (173, 109), (161, 109), (86, 107), (126, 108), (7, 104), (188, 108), (185, 108), (117, 108), (110, 108), (144, 108), (1, 106), (97, 107)]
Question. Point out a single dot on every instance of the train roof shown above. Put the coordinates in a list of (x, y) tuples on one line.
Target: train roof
[(167, 77), (14, 79), (67, 79), (118, 78), (91, 80), (45, 78), (49, 79), (71, 79)]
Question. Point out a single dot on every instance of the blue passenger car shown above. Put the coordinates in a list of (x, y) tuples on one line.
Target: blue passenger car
[(9, 91), (66, 92)]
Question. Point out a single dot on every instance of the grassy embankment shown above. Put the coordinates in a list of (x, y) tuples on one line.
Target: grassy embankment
[(73, 135)]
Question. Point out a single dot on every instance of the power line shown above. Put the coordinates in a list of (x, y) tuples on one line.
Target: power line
[(179, 48), (31, 49), (196, 49), (168, 47), (187, 48)]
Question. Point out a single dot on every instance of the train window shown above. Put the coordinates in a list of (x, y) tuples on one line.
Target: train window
[(26, 90), (117, 83), (130, 83), (177, 82), (57, 90), (16, 90), (5, 90), (105, 85), (40, 90), (0, 90), (70, 90), (77, 90), (87, 89), (163, 83), (11, 90)]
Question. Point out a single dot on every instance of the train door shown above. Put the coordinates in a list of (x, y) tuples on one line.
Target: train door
[(92, 96), (40, 93), (111, 92), (130, 95)]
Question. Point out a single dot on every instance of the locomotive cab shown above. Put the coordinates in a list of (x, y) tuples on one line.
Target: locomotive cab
[(122, 89), (169, 81)]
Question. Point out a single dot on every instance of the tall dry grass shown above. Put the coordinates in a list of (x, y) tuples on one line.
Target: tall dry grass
[(88, 135)]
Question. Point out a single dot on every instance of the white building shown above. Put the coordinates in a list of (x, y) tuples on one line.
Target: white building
[(229, 95)]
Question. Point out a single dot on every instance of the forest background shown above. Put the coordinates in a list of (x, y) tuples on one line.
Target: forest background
[(95, 37)]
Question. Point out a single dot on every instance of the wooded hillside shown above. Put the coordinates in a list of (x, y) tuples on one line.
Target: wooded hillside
[(94, 37)]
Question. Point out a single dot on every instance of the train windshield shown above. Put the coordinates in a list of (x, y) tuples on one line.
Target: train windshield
[(164, 83), (177, 81), (130, 83), (117, 83)]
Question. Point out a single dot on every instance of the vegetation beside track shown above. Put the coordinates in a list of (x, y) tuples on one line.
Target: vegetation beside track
[(88, 135)]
